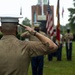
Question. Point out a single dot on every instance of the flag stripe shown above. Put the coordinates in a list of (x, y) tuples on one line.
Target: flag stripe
[(49, 23)]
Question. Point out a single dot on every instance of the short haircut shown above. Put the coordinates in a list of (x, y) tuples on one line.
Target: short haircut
[(8, 26)]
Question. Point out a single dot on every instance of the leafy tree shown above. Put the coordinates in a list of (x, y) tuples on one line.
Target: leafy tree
[(26, 22), (72, 17)]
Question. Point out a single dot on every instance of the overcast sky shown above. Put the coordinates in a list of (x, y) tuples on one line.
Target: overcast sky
[(12, 7)]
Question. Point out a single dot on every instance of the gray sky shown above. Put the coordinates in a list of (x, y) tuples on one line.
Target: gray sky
[(12, 7)]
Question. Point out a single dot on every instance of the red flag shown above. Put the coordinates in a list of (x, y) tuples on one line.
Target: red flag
[(58, 24), (49, 23)]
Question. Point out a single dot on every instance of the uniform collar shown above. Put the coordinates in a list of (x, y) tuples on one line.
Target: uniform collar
[(8, 36)]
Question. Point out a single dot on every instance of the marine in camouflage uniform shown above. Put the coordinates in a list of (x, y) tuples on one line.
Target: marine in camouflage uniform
[(15, 55)]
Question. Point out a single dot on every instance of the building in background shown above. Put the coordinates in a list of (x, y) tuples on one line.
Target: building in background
[(39, 12)]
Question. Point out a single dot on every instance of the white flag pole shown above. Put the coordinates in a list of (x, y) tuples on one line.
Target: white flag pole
[(42, 8)]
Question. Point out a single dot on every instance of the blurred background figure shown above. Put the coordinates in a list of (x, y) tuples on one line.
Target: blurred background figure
[(68, 39), (58, 53), (37, 63), (51, 55)]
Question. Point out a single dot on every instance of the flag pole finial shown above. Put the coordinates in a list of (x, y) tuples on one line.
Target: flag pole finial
[(20, 10)]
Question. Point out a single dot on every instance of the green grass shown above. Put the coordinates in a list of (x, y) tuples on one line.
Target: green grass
[(55, 67)]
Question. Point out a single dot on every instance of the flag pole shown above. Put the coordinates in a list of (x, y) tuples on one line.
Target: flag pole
[(42, 8), (63, 18), (58, 23), (21, 15), (21, 10)]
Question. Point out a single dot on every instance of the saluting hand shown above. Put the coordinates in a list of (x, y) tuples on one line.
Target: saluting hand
[(27, 28)]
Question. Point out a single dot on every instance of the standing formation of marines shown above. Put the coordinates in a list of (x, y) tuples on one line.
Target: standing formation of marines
[(64, 39), (37, 63), (15, 55)]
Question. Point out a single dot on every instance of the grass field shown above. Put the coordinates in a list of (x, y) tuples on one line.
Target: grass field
[(55, 67)]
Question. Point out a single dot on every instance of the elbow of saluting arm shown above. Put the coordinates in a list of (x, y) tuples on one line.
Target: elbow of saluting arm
[(53, 47)]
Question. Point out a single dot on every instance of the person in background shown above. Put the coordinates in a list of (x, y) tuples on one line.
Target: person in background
[(37, 62), (68, 39), (51, 55), (59, 51)]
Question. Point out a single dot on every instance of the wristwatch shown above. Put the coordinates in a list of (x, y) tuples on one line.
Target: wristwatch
[(34, 33)]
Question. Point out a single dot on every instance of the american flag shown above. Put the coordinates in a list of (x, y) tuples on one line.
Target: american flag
[(49, 23)]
